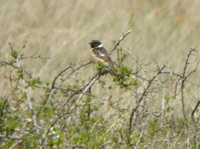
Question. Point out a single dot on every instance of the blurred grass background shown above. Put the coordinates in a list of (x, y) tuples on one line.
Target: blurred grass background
[(162, 31)]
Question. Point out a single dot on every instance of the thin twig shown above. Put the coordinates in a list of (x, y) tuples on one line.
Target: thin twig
[(25, 90), (34, 57), (119, 41), (58, 75), (75, 70), (52, 124), (2, 109), (195, 109), (3, 63), (145, 92), (184, 77), (87, 87)]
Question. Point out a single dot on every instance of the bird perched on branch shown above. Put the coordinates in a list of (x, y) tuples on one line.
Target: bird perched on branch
[(99, 53)]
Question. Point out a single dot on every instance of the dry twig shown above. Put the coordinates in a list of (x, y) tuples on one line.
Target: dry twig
[(30, 107), (184, 78), (119, 41), (145, 92)]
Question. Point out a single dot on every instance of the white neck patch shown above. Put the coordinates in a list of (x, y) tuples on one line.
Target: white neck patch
[(100, 46)]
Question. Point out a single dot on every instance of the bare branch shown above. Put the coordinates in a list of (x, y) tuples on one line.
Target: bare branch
[(119, 41), (145, 92), (87, 87), (52, 124), (58, 75), (193, 119), (33, 57), (26, 91), (184, 77)]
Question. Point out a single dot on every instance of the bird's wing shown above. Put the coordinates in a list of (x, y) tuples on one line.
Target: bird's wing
[(102, 51), (102, 55)]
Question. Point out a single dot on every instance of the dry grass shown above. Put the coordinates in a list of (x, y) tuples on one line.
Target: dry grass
[(162, 33)]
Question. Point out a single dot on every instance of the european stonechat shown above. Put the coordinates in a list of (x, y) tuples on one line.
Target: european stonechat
[(99, 53)]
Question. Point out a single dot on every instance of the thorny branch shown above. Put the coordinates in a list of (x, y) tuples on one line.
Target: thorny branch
[(58, 75), (52, 89), (87, 87), (193, 119), (26, 91), (120, 40), (145, 92), (184, 78), (34, 57), (52, 124), (77, 95), (84, 90)]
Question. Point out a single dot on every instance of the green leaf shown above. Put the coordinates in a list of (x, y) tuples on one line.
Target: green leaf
[(14, 54)]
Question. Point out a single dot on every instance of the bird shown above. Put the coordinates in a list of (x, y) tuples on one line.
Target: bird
[(99, 53)]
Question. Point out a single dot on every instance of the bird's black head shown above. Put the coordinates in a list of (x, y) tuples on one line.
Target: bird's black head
[(95, 43)]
